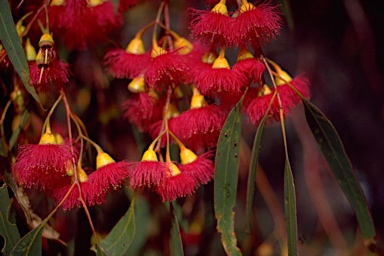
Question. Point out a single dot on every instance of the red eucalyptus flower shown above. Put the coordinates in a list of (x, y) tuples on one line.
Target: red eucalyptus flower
[(201, 168), (44, 165), (249, 66), (56, 74)]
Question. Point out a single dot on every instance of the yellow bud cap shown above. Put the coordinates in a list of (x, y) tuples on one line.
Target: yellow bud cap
[(157, 51), (174, 169), (103, 159), (197, 101), (137, 85), (58, 137), (183, 45), (187, 156), (46, 40), (244, 54), (221, 62), (81, 175), (264, 91), (153, 94), (94, 3), (39, 58), (136, 46), (47, 138), (30, 51), (220, 8), (283, 75), (149, 155), (178, 93), (209, 57), (246, 7), (57, 2), (17, 97), (70, 171), (172, 111)]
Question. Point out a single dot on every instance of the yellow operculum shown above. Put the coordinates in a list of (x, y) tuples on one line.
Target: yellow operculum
[(264, 91), (283, 75), (39, 58), (17, 97), (157, 51), (57, 2), (103, 159), (81, 175), (174, 169), (183, 45), (246, 7), (70, 170), (187, 156), (220, 8), (30, 51), (209, 57), (136, 46), (47, 138), (172, 111), (137, 84), (46, 40), (221, 62), (95, 2), (153, 94), (58, 137), (178, 93), (149, 155), (197, 100), (244, 54)]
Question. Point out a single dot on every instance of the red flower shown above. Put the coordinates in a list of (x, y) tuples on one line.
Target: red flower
[(176, 185), (251, 68), (256, 25), (56, 73), (148, 174), (165, 69), (143, 110), (43, 165), (201, 170), (257, 108), (123, 64), (212, 25)]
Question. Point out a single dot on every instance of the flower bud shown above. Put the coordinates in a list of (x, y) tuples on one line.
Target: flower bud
[(283, 75), (30, 51), (246, 7), (136, 46), (221, 62), (149, 155), (81, 175), (47, 138), (220, 8), (103, 159), (183, 46), (46, 40), (209, 57), (244, 54), (174, 169), (157, 51), (197, 101), (187, 156), (137, 84)]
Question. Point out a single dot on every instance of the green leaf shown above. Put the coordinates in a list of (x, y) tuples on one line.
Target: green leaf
[(290, 209), (226, 175), (333, 150), (120, 238), (175, 244), (23, 119), (30, 244), (13, 47), (3, 152), (7, 230), (285, 7)]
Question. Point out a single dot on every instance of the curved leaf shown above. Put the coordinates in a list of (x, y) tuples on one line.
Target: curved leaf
[(30, 244), (333, 150), (290, 209), (23, 119), (226, 176), (175, 244), (120, 238), (13, 47), (7, 230)]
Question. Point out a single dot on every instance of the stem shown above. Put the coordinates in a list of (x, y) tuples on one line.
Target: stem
[(167, 152), (140, 33), (50, 113), (158, 15), (2, 124), (97, 147), (28, 27)]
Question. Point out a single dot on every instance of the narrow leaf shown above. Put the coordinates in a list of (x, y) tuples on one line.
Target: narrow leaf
[(290, 209), (30, 244), (333, 150), (226, 176), (120, 238), (3, 152), (23, 119), (7, 230), (175, 244), (13, 47)]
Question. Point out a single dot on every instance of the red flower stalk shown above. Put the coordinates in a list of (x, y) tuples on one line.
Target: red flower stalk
[(212, 25), (44, 165), (201, 169), (176, 185), (256, 24), (143, 110), (165, 69), (42, 76)]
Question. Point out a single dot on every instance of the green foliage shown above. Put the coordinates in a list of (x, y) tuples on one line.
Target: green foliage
[(23, 119), (175, 243), (226, 176), (7, 230), (13, 47), (30, 244), (290, 209)]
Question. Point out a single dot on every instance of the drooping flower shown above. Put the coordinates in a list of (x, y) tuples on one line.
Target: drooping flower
[(256, 25), (214, 26), (44, 165), (56, 74), (249, 66)]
